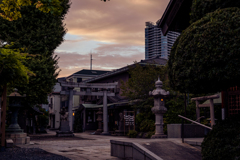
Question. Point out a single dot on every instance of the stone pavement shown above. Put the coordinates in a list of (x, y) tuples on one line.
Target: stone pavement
[(169, 150), (86, 146)]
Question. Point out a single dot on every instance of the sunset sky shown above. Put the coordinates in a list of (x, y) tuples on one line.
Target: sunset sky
[(113, 31)]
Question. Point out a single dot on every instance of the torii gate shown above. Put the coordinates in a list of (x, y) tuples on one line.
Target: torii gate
[(71, 92)]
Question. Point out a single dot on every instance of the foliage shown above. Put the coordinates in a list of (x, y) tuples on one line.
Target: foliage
[(38, 34), (142, 81), (12, 68), (132, 134), (12, 8), (149, 134), (145, 121), (43, 119), (201, 7), (205, 57), (223, 141), (77, 126)]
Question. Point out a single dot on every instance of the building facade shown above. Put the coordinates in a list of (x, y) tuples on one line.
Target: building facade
[(156, 44), (57, 101)]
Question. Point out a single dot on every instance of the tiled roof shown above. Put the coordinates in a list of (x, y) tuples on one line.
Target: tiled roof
[(156, 60), (91, 72)]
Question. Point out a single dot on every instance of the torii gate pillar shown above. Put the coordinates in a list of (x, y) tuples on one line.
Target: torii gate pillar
[(70, 105), (105, 114)]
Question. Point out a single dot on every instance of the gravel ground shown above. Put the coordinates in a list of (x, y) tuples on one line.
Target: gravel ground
[(29, 154)]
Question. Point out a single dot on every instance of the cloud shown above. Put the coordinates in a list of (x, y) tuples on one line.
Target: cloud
[(73, 62), (118, 21), (113, 30)]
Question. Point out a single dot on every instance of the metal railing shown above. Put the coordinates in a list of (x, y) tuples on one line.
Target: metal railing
[(192, 122)]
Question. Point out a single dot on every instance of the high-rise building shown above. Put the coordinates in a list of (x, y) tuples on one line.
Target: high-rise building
[(156, 43)]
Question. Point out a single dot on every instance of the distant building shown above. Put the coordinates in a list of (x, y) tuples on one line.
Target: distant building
[(156, 44), (57, 101)]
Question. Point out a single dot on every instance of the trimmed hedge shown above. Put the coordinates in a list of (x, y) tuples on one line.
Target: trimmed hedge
[(201, 7), (205, 57), (223, 142)]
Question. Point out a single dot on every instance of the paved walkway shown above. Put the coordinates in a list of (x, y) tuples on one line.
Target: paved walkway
[(86, 146)]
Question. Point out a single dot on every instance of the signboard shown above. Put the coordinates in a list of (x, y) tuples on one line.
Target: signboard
[(129, 120)]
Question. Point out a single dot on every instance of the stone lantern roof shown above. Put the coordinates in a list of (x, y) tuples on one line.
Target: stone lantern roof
[(158, 91), (15, 93)]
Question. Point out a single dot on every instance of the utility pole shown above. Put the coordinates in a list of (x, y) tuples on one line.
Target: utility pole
[(91, 61)]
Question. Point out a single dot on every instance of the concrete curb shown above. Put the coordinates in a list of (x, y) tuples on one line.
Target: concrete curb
[(193, 143), (133, 150)]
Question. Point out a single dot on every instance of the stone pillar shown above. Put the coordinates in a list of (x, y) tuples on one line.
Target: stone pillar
[(159, 123), (198, 111), (212, 112), (159, 108), (99, 119), (70, 105), (105, 113)]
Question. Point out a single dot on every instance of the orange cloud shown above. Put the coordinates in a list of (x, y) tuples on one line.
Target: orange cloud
[(118, 21)]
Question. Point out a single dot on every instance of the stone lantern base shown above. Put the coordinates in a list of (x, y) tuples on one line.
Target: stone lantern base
[(64, 130), (17, 138)]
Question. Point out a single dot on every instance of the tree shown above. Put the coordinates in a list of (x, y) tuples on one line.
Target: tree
[(38, 34), (205, 57), (11, 9), (12, 67), (201, 7)]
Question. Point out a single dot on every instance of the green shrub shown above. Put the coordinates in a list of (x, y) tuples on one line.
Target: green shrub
[(201, 7), (223, 141), (149, 134), (205, 57), (147, 125), (132, 134)]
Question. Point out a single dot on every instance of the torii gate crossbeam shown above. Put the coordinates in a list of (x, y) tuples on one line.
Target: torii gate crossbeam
[(103, 93)]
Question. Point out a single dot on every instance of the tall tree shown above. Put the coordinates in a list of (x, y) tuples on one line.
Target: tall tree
[(11, 9), (39, 34)]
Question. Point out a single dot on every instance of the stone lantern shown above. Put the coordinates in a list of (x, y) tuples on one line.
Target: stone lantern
[(99, 119), (14, 105), (14, 132), (159, 108)]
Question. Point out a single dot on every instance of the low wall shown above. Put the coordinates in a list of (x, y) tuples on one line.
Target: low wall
[(190, 131), (132, 150)]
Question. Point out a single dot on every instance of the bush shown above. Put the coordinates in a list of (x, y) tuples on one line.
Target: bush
[(132, 134), (205, 57), (149, 134), (223, 141), (201, 7)]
